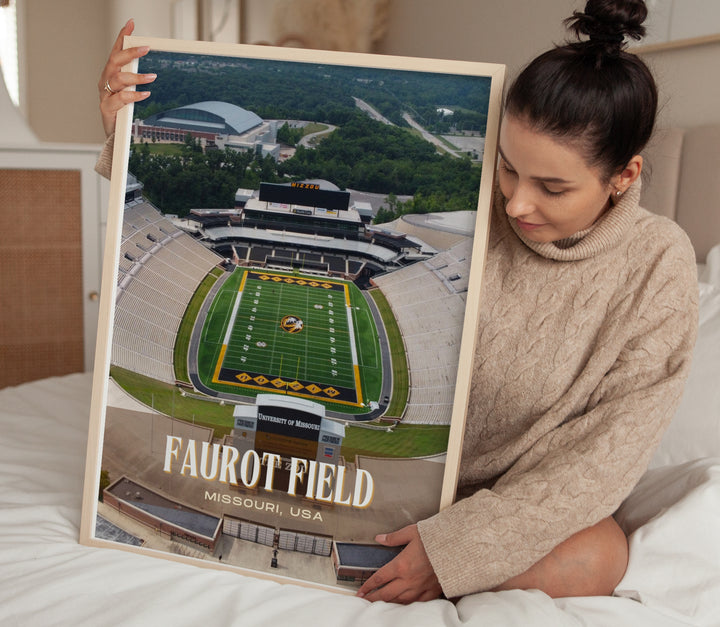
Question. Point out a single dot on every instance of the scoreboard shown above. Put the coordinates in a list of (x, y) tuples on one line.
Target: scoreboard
[(305, 194)]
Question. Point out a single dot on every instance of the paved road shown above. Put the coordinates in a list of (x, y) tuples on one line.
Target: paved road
[(429, 136), (309, 140), (371, 111)]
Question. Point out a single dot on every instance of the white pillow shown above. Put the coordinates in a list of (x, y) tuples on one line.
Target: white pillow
[(695, 429), (710, 271), (673, 519)]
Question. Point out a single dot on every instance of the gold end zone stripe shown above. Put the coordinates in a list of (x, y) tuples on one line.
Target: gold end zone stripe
[(218, 365), (242, 283), (358, 391)]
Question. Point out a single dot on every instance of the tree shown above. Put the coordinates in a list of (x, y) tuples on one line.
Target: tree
[(104, 483), (289, 136)]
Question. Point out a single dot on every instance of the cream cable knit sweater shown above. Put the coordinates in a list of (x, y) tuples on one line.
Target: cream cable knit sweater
[(104, 163), (582, 352)]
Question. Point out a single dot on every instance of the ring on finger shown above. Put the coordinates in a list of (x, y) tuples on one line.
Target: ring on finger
[(109, 89)]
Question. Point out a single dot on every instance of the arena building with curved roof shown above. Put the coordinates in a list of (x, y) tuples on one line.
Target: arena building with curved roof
[(215, 124), (210, 116)]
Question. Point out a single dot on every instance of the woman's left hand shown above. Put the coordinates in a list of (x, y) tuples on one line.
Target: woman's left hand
[(408, 577), (113, 81)]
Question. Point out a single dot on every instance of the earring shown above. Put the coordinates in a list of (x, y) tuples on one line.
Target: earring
[(618, 193)]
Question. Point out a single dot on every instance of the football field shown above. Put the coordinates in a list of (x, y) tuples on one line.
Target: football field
[(291, 334)]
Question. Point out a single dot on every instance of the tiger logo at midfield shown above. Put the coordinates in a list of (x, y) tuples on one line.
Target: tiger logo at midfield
[(291, 324)]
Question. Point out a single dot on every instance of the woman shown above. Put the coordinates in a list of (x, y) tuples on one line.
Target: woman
[(588, 320)]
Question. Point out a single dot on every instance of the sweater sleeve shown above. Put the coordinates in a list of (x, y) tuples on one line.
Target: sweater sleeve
[(104, 163), (579, 472)]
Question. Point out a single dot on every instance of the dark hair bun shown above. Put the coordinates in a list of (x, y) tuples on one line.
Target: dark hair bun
[(592, 92), (608, 22)]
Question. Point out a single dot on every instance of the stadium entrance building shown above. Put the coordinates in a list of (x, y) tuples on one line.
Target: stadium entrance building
[(166, 516), (289, 427), (356, 562)]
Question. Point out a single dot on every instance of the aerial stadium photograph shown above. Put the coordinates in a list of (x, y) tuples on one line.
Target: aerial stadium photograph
[(291, 283)]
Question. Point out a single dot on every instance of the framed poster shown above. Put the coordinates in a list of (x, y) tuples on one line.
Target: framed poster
[(290, 293)]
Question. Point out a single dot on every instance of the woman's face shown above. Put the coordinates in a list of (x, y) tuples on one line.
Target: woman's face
[(551, 193)]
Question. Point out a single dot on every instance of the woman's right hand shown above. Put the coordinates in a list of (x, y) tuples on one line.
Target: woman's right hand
[(113, 81)]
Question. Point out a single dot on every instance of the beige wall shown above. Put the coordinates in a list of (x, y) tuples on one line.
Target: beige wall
[(507, 31), (687, 79), (62, 45), (67, 44)]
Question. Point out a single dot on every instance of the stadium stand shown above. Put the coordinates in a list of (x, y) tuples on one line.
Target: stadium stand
[(441, 231), (336, 264), (158, 276), (258, 254), (161, 266), (430, 320)]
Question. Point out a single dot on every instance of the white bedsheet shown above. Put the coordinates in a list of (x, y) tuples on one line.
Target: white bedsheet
[(47, 578)]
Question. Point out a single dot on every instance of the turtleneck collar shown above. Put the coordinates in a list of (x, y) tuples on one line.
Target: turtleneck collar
[(605, 234)]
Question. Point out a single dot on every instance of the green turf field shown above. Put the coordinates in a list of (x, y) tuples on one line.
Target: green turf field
[(288, 333)]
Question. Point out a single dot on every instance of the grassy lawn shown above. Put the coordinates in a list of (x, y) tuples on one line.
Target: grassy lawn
[(167, 399), (314, 127), (402, 441), (182, 341), (401, 381), (165, 149), (449, 144)]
